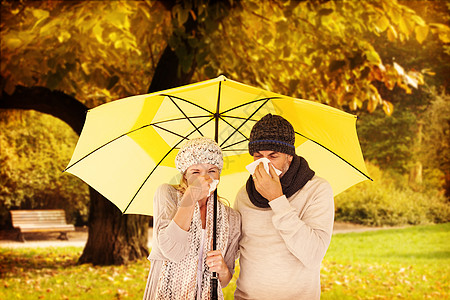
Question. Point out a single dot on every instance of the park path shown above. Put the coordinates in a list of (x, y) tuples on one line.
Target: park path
[(79, 237)]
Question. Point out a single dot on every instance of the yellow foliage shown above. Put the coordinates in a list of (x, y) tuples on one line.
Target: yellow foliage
[(421, 33), (388, 107)]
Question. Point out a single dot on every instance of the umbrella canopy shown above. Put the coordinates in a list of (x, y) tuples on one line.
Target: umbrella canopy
[(127, 147)]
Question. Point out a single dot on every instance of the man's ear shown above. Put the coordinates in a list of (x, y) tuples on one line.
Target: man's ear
[(290, 157)]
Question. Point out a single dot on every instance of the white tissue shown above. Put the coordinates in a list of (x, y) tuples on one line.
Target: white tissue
[(212, 186), (251, 167)]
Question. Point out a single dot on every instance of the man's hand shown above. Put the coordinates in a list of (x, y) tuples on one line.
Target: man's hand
[(268, 186)]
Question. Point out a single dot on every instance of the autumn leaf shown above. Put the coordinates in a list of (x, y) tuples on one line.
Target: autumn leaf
[(388, 107), (421, 33)]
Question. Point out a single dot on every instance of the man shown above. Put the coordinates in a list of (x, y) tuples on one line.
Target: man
[(287, 220)]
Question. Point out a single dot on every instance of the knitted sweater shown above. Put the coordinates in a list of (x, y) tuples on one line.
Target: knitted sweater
[(170, 242), (282, 247)]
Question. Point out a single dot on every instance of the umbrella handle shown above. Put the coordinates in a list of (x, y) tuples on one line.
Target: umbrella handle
[(214, 277), (214, 286)]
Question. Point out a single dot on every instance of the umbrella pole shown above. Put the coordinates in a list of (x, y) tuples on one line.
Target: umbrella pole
[(214, 278)]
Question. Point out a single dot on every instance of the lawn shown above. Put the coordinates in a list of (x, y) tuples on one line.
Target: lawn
[(410, 263)]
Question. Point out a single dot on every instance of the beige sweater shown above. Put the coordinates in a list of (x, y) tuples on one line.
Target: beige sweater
[(282, 246)]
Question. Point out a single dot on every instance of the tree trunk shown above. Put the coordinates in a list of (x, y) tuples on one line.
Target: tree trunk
[(447, 185), (415, 174), (113, 238), (166, 73)]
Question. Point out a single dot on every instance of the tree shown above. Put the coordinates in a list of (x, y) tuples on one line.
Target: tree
[(113, 238), (435, 148), (34, 148), (405, 153), (98, 51), (321, 50)]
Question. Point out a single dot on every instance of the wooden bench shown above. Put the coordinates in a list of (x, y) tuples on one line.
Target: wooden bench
[(52, 220)]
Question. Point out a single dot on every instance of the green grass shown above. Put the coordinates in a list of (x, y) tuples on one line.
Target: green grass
[(410, 263)]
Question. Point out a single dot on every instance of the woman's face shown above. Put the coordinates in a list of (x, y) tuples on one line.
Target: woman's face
[(202, 170)]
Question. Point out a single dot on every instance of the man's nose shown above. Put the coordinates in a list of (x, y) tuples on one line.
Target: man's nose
[(268, 157)]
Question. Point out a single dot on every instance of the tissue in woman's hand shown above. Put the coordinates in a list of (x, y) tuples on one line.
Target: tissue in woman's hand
[(251, 167), (212, 186)]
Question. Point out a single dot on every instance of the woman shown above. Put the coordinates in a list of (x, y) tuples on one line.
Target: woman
[(181, 257)]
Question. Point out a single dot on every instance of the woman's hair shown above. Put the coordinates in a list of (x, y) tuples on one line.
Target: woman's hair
[(183, 185)]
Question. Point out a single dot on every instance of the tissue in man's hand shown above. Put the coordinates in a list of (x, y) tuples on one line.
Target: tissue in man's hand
[(213, 186), (251, 167)]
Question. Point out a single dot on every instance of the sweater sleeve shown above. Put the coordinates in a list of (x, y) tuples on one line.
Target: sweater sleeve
[(233, 244), (308, 234), (171, 239)]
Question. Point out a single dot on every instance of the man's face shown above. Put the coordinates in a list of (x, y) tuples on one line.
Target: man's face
[(280, 161)]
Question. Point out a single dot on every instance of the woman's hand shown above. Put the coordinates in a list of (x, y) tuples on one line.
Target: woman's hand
[(198, 189), (216, 263)]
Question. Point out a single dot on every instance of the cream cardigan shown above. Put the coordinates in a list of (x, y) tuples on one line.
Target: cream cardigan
[(170, 242), (282, 247)]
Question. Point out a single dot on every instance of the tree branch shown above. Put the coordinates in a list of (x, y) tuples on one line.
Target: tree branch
[(42, 99)]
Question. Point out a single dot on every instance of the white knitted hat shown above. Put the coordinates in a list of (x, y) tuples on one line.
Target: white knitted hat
[(200, 150)]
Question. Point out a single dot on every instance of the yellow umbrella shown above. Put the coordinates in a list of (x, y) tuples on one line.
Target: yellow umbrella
[(127, 147)]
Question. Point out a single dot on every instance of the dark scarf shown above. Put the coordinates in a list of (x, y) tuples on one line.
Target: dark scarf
[(293, 180)]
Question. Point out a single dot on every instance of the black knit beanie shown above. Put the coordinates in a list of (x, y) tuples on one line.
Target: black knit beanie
[(272, 133)]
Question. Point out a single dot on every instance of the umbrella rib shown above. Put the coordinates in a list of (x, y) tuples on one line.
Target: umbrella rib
[(240, 118), (246, 120), (131, 131), (216, 127), (157, 165), (187, 101), (178, 119), (246, 138), (236, 150), (170, 131), (115, 139), (140, 188), (221, 117), (248, 103), (231, 145), (179, 108), (335, 154), (98, 148)]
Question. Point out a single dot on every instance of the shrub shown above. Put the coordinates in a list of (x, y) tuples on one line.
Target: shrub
[(35, 149), (388, 201)]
